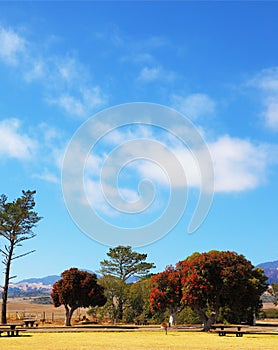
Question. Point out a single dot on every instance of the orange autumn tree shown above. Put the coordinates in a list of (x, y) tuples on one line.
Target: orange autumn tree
[(77, 289)]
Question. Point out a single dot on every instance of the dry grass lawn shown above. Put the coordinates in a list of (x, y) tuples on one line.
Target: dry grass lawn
[(137, 340)]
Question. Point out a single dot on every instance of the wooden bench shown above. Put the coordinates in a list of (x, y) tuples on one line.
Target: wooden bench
[(223, 330), (222, 333)]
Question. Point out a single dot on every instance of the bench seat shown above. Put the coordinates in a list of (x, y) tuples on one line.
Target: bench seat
[(237, 333)]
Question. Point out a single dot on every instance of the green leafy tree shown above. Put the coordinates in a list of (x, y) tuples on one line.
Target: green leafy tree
[(187, 316), (17, 220), (274, 292), (138, 301), (124, 263), (77, 289), (115, 289)]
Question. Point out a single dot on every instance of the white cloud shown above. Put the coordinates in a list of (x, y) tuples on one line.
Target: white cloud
[(11, 46), (81, 104), (42, 147), (121, 198), (148, 74), (37, 70), (239, 165), (271, 113), (64, 80), (267, 82), (51, 148), (13, 143), (48, 177), (124, 134), (94, 164), (70, 104), (194, 106), (267, 79)]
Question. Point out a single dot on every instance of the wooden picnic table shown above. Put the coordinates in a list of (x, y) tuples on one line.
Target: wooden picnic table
[(10, 329)]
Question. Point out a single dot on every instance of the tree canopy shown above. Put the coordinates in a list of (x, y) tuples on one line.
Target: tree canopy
[(17, 220), (77, 289), (166, 292), (125, 263), (115, 291), (220, 279), (210, 281)]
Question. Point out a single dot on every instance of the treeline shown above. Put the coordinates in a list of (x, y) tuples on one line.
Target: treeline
[(218, 286), (208, 287), (136, 305)]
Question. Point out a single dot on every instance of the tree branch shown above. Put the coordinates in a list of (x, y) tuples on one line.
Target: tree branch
[(21, 255)]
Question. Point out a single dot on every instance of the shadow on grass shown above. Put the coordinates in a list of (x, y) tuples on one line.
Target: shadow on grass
[(17, 336)]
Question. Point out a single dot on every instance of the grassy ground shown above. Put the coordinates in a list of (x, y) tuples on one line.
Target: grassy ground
[(137, 340)]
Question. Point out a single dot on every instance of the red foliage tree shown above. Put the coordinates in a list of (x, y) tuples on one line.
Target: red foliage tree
[(166, 292), (220, 279), (77, 289), (207, 282)]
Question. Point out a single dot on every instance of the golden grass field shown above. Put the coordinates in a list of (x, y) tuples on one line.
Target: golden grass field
[(103, 340), (137, 340), (24, 306)]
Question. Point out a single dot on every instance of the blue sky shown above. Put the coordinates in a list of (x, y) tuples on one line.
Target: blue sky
[(215, 62)]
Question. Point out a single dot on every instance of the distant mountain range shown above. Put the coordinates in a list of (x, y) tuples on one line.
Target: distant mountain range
[(48, 280), (270, 270), (43, 286), (40, 286), (33, 286)]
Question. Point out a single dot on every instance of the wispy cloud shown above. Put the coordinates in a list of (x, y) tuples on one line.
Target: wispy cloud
[(41, 147), (47, 176), (81, 104), (150, 74), (267, 82), (13, 142), (65, 81), (12, 45), (194, 106)]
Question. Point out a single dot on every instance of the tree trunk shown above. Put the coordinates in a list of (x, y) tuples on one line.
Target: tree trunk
[(207, 321), (69, 313), (6, 285), (120, 309), (4, 306)]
